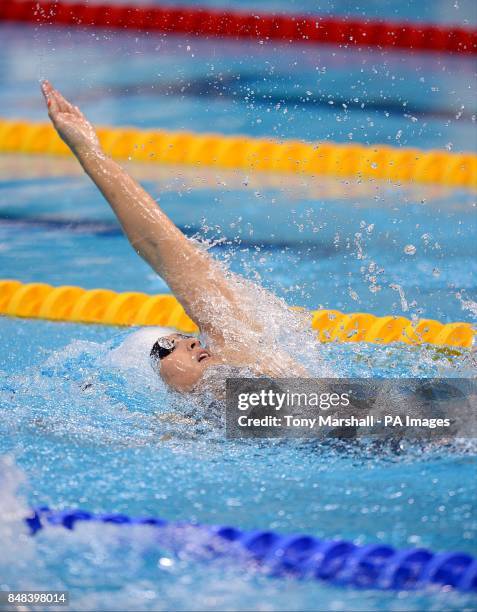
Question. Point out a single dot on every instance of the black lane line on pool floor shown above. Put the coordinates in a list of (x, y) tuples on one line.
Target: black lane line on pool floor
[(105, 229), (238, 87)]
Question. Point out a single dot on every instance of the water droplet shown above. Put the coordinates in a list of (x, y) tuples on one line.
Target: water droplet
[(165, 562), (410, 249), (374, 288)]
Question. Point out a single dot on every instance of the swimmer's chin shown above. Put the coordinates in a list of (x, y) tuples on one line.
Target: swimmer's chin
[(212, 384)]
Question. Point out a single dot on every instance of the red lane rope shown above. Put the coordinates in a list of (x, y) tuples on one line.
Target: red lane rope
[(204, 22)]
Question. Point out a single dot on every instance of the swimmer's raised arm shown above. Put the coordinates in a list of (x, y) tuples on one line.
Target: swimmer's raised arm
[(195, 278)]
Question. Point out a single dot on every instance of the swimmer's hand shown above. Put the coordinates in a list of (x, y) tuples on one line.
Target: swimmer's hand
[(70, 123)]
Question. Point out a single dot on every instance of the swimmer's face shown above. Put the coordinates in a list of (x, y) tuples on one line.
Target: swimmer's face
[(181, 360)]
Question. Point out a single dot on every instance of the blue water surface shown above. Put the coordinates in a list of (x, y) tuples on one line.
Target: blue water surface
[(89, 432)]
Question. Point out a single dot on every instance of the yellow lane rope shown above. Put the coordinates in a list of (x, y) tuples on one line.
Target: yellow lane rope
[(75, 304), (292, 156)]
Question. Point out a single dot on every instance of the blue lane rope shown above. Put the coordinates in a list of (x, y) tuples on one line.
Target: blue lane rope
[(375, 566)]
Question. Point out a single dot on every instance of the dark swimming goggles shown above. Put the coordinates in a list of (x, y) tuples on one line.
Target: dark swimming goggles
[(164, 347)]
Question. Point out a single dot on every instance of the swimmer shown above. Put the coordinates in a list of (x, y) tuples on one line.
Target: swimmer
[(211, 297)]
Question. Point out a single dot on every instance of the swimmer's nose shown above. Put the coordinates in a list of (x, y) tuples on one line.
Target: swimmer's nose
[(193, 343)]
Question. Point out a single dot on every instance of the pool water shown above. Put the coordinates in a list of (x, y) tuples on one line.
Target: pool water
[(84, 423), (93, 429)]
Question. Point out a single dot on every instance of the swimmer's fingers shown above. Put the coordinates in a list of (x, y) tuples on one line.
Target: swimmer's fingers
[(69, 122), (63, 105), (67, 107), (51, 101), (57, 103)]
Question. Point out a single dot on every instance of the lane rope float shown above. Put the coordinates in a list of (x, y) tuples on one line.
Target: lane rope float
[(202, 21), (375, 566), (256, 154), (103, 306)]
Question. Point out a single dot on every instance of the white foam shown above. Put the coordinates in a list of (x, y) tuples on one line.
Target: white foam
[(13, 510)]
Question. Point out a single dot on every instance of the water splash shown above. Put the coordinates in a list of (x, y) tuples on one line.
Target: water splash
[(13, 531), (467, 304), (402, 296)]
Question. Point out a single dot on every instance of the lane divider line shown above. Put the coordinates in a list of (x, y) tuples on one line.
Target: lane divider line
[(372, 566), (202, 21), (255, 154), (103, 306)]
